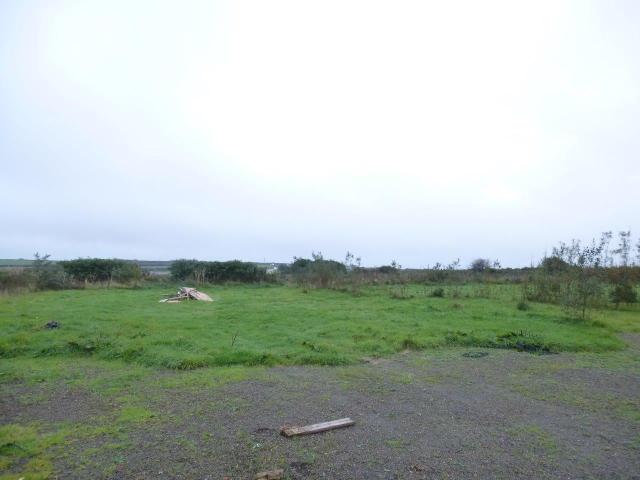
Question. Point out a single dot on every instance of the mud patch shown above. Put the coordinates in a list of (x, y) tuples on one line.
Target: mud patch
[(28, 404)]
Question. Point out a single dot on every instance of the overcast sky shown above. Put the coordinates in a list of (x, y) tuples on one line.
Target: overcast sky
[(415, 131)]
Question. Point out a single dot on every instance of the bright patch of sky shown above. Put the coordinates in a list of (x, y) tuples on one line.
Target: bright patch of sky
[(415, 131)]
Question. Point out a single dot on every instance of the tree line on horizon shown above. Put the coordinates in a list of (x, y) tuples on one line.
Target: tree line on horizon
[(580, 276)]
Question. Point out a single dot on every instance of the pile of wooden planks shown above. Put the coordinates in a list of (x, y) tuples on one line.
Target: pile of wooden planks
[(186, 293)]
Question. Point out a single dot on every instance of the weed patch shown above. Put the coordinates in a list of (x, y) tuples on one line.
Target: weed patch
[(411, 344), (523, 342)]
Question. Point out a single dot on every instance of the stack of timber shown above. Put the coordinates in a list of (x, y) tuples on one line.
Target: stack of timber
[(186, 293)]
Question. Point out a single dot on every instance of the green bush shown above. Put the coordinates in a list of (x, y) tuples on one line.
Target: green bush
[(480, 265), (101, 270), (47, 274), (318, 272), (623, 293), (387, 269), (233, 271), (623, 280), (574, 276), (216, 272), (184, 269), (300, 265), (127, 272), (554, 264), (438, 292)]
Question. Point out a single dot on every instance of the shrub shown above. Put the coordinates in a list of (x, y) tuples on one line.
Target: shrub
[(300, 265), (233, 271), (553, 265), (574, 276), (523, 342), (47, 274), (410, 344), (623, 293), (522, 305), (438, 292), (317, 272), (623, 280), (438, 274), (101, 270), (216, 272), (183, 269), (480, 265), (16, 279), (401, 292), (323, 272), (545, 287), (387, 269), (127, 272)]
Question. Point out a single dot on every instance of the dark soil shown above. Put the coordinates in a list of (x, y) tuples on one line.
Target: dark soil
[(20, 404)]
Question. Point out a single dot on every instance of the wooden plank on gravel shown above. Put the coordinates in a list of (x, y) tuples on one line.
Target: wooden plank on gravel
[(270, 475), (316, 427)]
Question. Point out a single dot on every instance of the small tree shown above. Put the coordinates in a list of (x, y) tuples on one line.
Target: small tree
[(48, 275), (554, 265), (547, 280), (582, 284), (622, 276), (480, 265), (351, 261), (624, 248), (623, 293)]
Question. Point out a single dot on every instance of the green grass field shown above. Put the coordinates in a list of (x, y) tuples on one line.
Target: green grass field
[(284, 325), (117, 344)]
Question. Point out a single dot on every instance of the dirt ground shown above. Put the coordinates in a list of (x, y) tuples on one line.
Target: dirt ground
[(419, 415)]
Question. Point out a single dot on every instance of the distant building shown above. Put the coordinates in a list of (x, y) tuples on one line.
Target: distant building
[(272, 268)]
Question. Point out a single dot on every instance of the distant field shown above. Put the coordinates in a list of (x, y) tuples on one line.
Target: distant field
[(15, 262), (151, 266), (283, 325)]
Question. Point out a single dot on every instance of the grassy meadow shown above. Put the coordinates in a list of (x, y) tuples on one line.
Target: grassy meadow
[(268, 325)]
